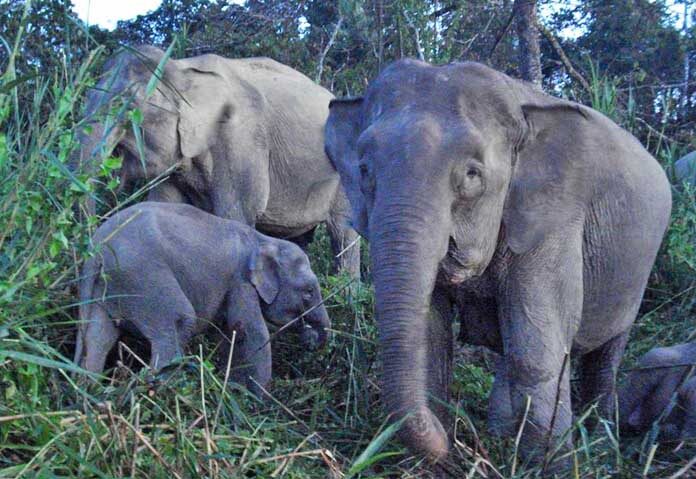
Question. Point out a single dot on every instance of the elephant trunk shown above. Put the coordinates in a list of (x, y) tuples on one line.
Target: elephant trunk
[(405, 247), (315, 331)]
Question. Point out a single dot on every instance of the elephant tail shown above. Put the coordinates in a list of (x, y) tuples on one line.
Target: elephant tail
[(90, 275)]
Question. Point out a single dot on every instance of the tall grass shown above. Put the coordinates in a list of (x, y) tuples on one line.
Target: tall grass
[(323, 418)]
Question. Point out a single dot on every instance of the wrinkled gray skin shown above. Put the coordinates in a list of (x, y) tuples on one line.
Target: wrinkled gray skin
[(536, 218), (685, 168), (247, 135), (167, 271), (661, 375)]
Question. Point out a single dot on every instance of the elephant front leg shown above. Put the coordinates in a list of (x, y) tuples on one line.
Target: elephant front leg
[(540, 314), (440, 354), (240, 183), (500, 417), (251, 357)]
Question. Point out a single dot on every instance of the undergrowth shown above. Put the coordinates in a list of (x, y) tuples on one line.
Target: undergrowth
[(323, 418)]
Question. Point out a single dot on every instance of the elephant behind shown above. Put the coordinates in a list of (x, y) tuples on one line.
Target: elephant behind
[(243, 138), (685, 168), (536, 218)]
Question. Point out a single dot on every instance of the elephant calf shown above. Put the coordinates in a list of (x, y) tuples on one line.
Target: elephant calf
[(167, 270), (662, 373)]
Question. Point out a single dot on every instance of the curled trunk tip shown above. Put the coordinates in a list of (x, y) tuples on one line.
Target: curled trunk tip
[(423, 433)]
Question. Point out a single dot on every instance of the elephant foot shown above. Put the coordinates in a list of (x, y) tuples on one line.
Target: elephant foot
[(423, 433)]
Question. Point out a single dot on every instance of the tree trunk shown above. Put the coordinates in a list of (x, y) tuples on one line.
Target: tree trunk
[(528, 35), (683, 102), (379, 9)]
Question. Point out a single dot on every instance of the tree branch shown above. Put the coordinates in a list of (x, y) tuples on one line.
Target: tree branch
[(325, 51), (564, 58), (503, 31), (419, 47)]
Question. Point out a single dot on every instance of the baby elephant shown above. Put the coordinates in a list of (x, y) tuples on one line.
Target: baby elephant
[(166, 271), (648, 393)]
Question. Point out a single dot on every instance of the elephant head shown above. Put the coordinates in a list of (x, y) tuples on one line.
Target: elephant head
[(288, 288), (180, 116), (442, 165)]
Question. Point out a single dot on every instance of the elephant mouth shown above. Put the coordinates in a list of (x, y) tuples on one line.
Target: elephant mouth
[(455, 274), (312, 331), (455, 269)]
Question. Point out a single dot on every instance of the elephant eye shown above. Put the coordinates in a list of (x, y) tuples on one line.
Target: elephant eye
[(468, 181), (308, 293), (367, 184)]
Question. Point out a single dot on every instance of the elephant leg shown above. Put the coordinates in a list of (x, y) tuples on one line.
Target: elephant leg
[(541, 310), (172, 325), (440, 356), (167, 192), (540, 401), (345, 242), (251, 357), (168, 346), (598, 373), (100, 336), (500, 419), (240, 184), (163, 351)]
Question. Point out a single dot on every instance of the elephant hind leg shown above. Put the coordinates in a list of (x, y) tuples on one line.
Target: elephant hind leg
[(169, 343), (598, 375), (100, 336), (168, 325)]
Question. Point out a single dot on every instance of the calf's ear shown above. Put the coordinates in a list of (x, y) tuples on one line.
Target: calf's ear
[(264, 272)]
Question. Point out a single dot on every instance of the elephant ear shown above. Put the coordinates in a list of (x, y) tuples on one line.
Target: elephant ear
[(264, 271), (203, 106), (547, 185), (341, 133)]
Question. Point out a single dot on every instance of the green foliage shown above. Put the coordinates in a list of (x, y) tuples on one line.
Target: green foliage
[(603, 94), (472, 384), (681, 237)]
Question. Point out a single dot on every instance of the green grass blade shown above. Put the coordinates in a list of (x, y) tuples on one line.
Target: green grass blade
[(157, 75), (371, 454)]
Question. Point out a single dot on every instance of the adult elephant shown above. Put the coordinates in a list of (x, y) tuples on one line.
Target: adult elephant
[(538, 218), (244, 139)]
